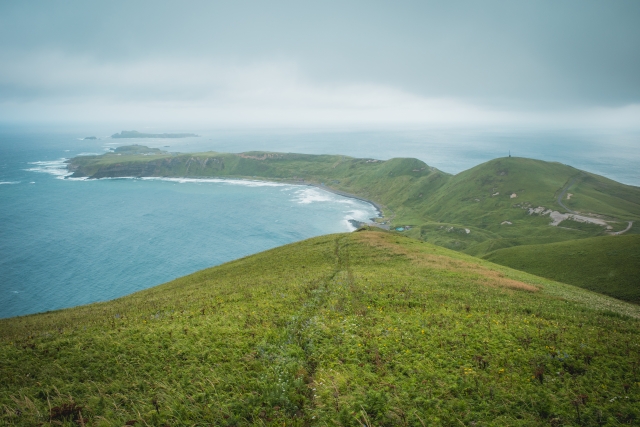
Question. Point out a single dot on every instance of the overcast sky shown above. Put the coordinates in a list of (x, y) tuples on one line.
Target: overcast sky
[(359, 63)]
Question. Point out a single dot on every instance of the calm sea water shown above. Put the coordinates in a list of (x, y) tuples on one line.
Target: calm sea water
[(68, 242)]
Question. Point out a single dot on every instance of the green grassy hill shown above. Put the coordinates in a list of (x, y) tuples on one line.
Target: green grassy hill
[(439, 206), (395, 184), (478, 211), (366, 328), (480, 199), (609, 265)]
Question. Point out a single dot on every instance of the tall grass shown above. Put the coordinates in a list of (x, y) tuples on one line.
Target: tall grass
[(356, 329)]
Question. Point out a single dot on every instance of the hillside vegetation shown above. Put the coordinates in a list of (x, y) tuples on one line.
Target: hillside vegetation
[(367, 328), (393, 183), (608, 265), (492, 200), (503, 203)]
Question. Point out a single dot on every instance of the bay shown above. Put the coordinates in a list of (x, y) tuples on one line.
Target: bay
[(65, 242)]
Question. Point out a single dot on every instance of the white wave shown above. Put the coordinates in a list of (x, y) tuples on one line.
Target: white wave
[(360, 215), (89, 154), (50, 162), (309, 195), (348, 225), (58, 168), (251, 183), (9, 182), (243, 182), (109, 178)]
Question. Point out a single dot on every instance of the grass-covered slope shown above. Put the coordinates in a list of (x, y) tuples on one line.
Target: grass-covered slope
[(367, 328), (478, 211), (395, 184), (473, 211), (480, 199), (609, 265)]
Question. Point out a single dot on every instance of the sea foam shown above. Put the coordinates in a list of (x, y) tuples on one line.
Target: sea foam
[(58, 168), (243, 182)]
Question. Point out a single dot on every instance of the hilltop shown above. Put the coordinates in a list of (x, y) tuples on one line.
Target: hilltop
[(364, 328), (503, 203)]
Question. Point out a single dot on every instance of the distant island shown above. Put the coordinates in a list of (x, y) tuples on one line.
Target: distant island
[(136, 134), (89, 137)]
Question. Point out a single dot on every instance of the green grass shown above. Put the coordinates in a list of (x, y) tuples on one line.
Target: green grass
[(467, 199), (439, 206), (367, 328), (609, 265), (413, 193), (395, 184)]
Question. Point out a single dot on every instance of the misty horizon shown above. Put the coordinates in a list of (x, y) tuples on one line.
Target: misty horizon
[(330, 66)]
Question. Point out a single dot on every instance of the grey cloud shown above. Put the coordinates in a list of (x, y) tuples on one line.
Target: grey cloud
[(505, 54)]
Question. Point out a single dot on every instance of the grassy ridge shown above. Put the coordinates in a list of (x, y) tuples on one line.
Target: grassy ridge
[(609, 265), (395, 184), (472, 212), (367, 328), (441, 207), (480, 200)]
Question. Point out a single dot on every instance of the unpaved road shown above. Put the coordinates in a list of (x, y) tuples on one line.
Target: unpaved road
[(564, 191), (617, 233)]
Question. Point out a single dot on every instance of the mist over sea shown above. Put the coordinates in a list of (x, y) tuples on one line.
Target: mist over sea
[(67, 242)]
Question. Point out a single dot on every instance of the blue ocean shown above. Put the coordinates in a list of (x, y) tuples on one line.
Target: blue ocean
[(66, 242)]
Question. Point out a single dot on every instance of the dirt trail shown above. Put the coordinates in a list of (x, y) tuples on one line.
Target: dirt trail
[(617, 233), (564, 191)]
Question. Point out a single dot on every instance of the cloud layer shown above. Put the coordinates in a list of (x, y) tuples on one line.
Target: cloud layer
[(572, 63)]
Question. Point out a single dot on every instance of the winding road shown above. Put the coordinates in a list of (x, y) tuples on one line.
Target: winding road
[(564, 191), (617, 233)]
